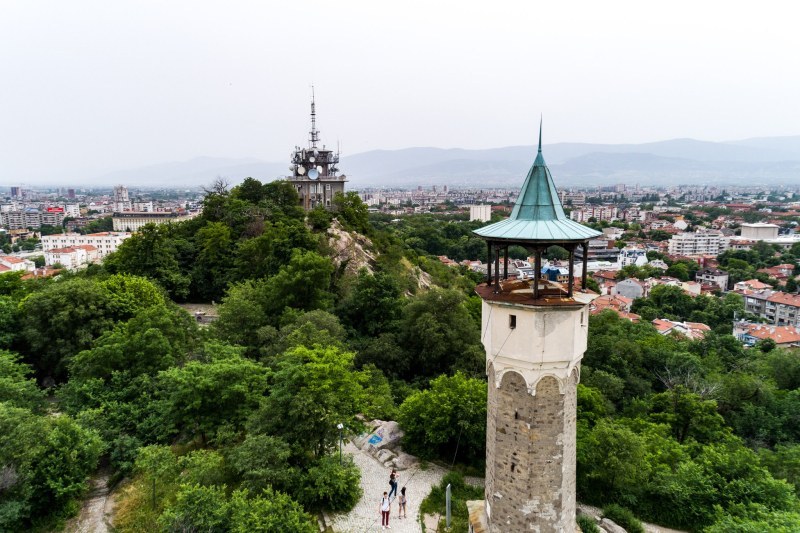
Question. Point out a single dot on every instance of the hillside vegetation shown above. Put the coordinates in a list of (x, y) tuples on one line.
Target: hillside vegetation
[(233, 427)]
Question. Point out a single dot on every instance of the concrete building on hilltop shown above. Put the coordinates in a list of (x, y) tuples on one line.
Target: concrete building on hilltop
[(314, 170), (535, 334)]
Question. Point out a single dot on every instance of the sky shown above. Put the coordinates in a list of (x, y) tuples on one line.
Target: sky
[(88, 87)]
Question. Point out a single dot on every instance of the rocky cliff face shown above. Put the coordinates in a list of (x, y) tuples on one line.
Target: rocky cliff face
[(349, 249)]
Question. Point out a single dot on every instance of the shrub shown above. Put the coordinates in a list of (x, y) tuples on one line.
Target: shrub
[(623, 517), (331, 486), (460, 493), (587, 525), (197, 508)]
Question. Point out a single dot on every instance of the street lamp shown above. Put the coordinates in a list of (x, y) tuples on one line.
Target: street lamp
[(341, 427)]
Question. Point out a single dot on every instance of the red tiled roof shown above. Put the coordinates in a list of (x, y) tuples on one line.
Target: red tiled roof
[(780, 334), (785, 298)]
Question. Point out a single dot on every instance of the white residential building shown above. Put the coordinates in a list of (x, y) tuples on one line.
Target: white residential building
[(699, 243), (105, 242), (10, 263), (72, 210), (598, 212), (759, 231), (134, 221), (71, 257), (480, 212)]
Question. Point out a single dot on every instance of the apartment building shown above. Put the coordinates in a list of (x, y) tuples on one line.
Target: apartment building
[(105, 242), (71, 257), (698, 243), (134, 220), (713, 276), (783, 309), (597, 212)]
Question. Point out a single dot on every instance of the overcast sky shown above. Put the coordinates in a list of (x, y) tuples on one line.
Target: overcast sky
[(89, 87)]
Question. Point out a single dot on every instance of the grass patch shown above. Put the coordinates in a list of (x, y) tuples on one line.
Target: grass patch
[(461, 492), (134, 511)]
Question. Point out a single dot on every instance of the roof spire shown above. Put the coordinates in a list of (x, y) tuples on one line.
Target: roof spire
[(540, 133)]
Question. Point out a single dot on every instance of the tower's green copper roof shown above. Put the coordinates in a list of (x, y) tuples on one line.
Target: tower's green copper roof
[(538, 214)]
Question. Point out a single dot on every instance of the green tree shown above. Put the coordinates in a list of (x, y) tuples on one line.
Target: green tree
[(351, 212), (331, 486), (16, 388), (160, 468), (373, 304), (154, 339), (439, 336), (210, 273), (262, 461), (268, 512), (197, 508), (151, 252), (447, 420), (313, 390), (303, 284), (221, 391), (62, 319), (45, 463)]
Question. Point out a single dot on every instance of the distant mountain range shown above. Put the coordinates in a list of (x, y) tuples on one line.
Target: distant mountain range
[(764, 160)]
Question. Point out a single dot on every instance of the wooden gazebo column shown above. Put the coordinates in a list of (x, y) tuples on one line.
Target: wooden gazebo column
[(505, 263), (537, 271), (571, 270), (489, 263), (496, 269), (585, 246)]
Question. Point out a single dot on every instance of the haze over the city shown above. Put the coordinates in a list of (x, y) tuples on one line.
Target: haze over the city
[(94, 87)]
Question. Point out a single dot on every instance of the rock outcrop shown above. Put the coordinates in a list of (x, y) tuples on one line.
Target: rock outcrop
[(382, 441)]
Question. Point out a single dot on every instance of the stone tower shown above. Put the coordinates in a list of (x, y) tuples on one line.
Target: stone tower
[(535, 332)]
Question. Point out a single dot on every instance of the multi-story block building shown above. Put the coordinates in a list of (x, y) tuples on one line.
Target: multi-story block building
[(597, 212), (783, 309), (71, 257), (756, 302), (713, 276), (105, 242), (698, 243), (134, 221)]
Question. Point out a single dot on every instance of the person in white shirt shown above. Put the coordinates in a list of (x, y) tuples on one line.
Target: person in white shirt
[(384, 508)]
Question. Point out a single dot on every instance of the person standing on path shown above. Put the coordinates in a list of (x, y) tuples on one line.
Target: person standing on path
[(401, 508), (393, 483), (384, 508)]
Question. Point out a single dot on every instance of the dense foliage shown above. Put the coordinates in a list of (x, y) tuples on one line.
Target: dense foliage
[(233, 426)]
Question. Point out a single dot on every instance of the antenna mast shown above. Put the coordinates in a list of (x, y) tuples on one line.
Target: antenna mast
[(314, 132)]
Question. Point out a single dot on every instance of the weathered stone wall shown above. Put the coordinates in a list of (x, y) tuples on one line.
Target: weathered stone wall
[(530, 471)]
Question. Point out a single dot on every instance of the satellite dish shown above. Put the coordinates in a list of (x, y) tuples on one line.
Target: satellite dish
[(313, 173), (312, 159), (319, 169), (291, 168), (301, 170)]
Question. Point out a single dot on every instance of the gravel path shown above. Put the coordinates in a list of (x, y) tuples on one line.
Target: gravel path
[(92, 518), (374, 481)]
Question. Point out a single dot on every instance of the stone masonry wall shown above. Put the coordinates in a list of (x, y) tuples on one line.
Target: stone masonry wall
[(530, 471)]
